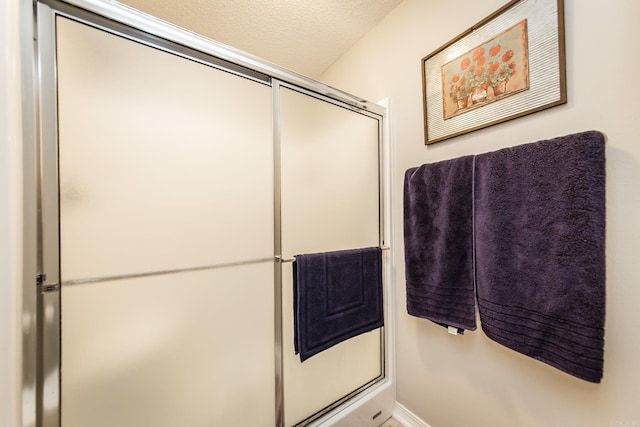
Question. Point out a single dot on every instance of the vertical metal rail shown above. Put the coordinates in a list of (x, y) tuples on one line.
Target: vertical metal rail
[(385, 235), (48, 366), (277, 248), (382, 240), (29, 230)]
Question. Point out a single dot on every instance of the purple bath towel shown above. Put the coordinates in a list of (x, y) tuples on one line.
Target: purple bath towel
[(336, 296), (540, 242), (438, 242)]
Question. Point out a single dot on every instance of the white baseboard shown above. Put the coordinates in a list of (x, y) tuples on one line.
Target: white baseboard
[(406, 417)]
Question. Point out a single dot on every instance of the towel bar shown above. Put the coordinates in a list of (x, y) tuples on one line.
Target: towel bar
[(279, 258)]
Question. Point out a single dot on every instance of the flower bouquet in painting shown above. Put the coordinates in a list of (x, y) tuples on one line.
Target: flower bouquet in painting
[(492, 71)]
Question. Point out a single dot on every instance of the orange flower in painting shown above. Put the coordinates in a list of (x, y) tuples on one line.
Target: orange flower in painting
[(512, 65), (478, 53), (486, 84), (479, 71), (481, 61), (495, 49), (472, 68), (455, 78), (465, 63), (493, 67), (507, 55)]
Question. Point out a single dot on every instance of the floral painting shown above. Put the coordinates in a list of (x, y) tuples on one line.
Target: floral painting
[(487, 73)]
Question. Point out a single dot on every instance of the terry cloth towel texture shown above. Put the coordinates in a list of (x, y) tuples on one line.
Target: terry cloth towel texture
[(337, 295), (540, 250), (438, 242)]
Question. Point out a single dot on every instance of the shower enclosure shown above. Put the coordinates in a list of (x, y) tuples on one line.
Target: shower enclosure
[(178, 179)]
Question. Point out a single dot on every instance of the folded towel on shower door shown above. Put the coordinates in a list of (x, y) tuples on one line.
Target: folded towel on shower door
[(438, 242), (540, 241), (337, 295)]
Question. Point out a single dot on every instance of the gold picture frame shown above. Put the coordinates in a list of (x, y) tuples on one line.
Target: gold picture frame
[(508, 65)]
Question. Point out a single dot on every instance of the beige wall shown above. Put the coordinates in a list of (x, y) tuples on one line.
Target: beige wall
[(470, 380)]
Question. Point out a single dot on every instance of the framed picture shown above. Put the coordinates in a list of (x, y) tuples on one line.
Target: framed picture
[(509, 65)]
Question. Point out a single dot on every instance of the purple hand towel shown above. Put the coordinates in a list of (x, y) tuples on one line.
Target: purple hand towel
[(540, 241), (438, 242), (336, 296)]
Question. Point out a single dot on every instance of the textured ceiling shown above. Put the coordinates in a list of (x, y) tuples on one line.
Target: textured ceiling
[(305, 36)]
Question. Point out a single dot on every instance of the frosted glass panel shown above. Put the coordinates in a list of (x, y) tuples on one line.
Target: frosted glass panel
[(190, 349), (329, 176), (329, 202), (164, 162)]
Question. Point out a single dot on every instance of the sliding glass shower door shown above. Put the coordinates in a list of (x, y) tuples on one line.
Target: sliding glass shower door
[(330, 201), (176, 186), (166, 237)]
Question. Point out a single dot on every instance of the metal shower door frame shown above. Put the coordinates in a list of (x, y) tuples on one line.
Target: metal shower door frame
[(119, 19)]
